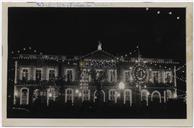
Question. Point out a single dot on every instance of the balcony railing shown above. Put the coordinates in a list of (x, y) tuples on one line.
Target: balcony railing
[(47, 82), (91, 83)]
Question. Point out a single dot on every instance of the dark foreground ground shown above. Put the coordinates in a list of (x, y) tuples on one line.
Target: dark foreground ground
[(100, 110)]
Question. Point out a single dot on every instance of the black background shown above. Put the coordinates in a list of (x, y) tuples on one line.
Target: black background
[(76, 31)]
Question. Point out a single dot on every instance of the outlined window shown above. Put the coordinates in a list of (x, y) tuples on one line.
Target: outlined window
[(25, 74), (168, 77), (51, 74), (127, 76), (69, 75), (112, 95), (112, 75), (69, 95), (38, 74), (86, 95)]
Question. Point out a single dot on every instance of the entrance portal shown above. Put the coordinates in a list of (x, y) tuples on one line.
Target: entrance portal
[(99, 96)]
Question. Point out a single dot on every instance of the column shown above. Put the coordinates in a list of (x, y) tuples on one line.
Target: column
[(108, 75), (131, 100), (175, 76), (44, 72), (31, 72), (163, 76), (72, 98), (16, 69), (124, 96), (175, 95), (115, 75), (73, 74), (164, 96), (14, 95), (115, 96), (34, 73), (147, 100)]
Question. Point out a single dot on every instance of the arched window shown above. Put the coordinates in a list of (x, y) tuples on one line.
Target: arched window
[(85, 95), (128, 96), (69, 95), (112, 95), (156, 96), (51, 95), (24, 96), (168, 94), (144, 96), (99, 96)]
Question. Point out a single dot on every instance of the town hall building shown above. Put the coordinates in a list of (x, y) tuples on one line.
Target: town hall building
[(96, 77)]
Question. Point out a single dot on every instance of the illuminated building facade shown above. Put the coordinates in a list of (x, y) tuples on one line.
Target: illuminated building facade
[(96, 77)]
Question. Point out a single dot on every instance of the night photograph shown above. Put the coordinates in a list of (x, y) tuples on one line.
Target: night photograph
[(97, 63)]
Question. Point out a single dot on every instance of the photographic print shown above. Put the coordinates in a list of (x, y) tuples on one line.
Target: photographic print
[(96, 63)]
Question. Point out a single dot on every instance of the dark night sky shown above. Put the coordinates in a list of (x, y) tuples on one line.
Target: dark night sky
[(76, 31)]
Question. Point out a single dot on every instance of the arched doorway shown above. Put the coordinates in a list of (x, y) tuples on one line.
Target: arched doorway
[(128, 96), (51, 95), (99, 96), (144, 96), (24, 96), (69, 95), (156, 97), (112, 95), (85, 95)]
